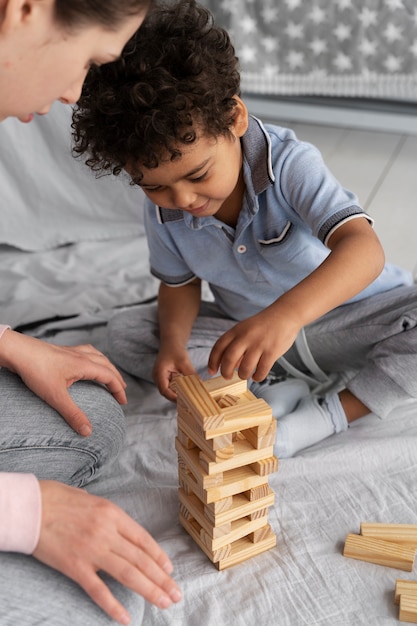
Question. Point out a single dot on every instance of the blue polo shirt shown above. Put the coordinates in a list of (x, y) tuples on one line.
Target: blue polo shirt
[(291, 206)]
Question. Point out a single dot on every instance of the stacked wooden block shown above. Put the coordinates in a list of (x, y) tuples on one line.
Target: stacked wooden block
[(225, 454)]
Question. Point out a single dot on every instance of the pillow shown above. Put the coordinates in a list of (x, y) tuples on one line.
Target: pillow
[(49, 198)]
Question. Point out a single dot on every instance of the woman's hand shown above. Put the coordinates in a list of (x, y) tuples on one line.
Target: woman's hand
[(82, 534), (49, 370)]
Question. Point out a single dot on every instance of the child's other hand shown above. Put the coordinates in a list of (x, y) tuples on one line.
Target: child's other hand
[(167, 366), (253, 345)]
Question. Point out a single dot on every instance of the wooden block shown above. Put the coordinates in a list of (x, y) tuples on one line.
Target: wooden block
[(199, 402), (406, 587), (190, 459), (234, 481), (263, 467), (185, 440), (398, 533), (258, 492), (193, 529), (232, 554), (219, 386), (239, 507), (379, 552), (193, 505), (216, 449), (260, 534), (244, 549), (241, 417), (258, 513), (244, 454), (408, 609), (227, 400), (261, 436), (239, 528)]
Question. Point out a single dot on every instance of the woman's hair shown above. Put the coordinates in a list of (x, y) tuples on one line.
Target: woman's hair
[(177, 78), (107, 13)]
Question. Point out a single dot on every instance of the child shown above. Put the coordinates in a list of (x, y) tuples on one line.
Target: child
[(287, 252)]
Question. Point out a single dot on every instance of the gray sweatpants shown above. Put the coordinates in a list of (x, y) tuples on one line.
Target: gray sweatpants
[(35, 439), (375, 340)]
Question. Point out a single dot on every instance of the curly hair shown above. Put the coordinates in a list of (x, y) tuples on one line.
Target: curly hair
[(72, 14), (178, 76)]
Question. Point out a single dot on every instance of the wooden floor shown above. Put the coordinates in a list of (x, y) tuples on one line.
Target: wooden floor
[(381, 168)]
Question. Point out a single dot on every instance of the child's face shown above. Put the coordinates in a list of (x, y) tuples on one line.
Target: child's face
[(205, 181), (40, 63)]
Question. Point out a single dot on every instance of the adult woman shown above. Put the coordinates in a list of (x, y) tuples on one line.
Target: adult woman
[(46, 49)]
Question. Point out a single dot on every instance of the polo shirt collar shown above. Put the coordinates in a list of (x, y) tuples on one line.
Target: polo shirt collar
[(257, 151)]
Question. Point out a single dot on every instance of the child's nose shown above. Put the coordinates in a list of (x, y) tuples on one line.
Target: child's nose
[(183, 197)]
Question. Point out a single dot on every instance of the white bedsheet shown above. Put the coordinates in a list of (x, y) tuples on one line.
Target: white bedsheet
[(366, 474)]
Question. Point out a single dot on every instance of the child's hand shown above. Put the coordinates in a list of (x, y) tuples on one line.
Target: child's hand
[(253, 345), (167, 366)]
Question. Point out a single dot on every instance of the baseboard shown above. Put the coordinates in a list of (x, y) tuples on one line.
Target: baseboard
[(381, 115)]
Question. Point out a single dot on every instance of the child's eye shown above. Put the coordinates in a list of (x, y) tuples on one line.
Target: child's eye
[(199, 178), (150, 189)]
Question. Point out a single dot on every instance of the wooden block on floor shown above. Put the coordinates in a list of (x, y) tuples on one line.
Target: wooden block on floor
[(408, 609), (398, 533), (406, 587), (379, 552)]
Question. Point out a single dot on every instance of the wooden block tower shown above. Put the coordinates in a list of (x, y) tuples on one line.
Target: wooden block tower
[(225, 454)]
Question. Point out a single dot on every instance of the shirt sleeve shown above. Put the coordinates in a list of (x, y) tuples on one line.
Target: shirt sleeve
[(20, 512), (166, 261), (313, 192)]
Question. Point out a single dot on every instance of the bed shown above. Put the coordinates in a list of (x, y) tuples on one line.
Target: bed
[(327, 61), (81, 257)]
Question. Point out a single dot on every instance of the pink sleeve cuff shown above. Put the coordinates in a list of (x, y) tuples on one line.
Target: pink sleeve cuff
[(3, 327), (20, 512)]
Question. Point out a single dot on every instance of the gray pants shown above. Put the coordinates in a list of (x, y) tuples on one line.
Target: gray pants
[(35, 439), (375, 340)]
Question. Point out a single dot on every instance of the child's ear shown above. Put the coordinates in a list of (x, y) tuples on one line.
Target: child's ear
[(241, 121)]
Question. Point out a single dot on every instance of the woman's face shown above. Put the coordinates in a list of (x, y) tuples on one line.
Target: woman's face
[(40, 62)]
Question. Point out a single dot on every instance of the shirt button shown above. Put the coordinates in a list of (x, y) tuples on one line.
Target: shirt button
[(241, 249)]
